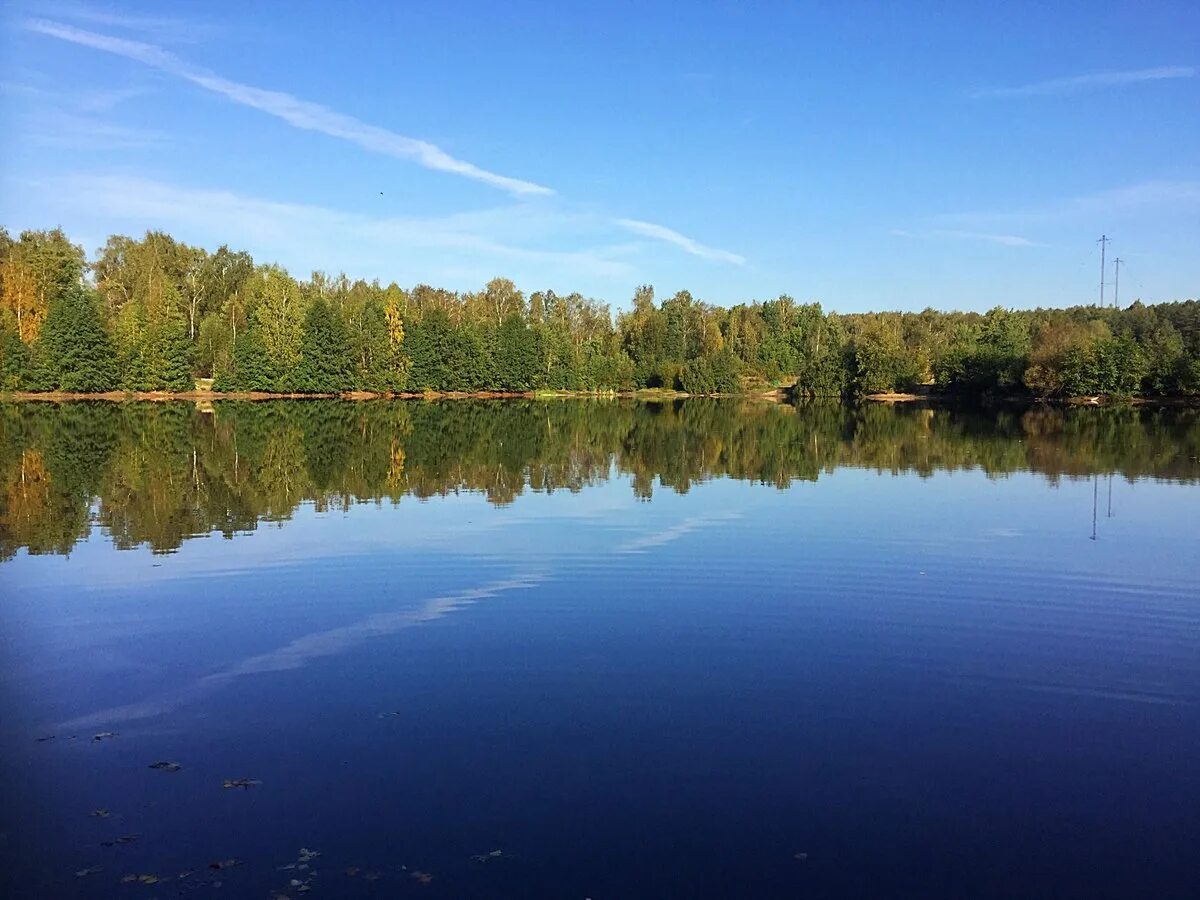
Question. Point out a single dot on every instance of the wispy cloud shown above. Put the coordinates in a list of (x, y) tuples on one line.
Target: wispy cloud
[(293, 110), (163, 28), (1159, 197), (99, 100), (78, 120), (1003, 240), (306, 236), (1092, 81), (310, 116), (87, 100), (65, 130), (662, 233)]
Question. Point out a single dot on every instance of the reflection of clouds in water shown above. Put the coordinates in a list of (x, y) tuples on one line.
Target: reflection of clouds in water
[(667, 535), (305, 649), (333, 641)]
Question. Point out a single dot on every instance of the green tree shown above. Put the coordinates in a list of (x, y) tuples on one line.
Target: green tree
[(14, 360), (34, 270), (278, 313), (882, 362), (516, 356), (73, 352), (326, 359), (251, 368)]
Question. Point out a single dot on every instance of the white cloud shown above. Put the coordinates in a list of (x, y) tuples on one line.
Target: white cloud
[(164, 28), (64, 130), (1077, 83), (662, 233), (1004, 240), (310, 116), (1158, 197), (296, 112), (307, 236), (76, 120), (98, 100)]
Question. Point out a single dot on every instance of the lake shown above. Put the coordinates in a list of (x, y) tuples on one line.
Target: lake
[(599, 649)]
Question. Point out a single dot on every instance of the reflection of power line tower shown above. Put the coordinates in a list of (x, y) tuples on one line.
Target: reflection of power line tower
[(1095, 502)]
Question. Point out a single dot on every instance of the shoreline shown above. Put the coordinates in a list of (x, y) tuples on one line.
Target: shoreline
[(775, 395), (938, 398), (210, 396)]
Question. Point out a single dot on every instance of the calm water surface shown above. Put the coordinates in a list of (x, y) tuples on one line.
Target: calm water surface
[(707, 649)]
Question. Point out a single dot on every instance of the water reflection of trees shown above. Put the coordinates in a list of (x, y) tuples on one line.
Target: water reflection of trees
[(154, 474)]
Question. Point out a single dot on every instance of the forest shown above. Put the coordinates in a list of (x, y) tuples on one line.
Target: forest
[(154, 474), (155, 314)]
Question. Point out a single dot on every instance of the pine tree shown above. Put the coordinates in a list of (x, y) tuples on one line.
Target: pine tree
[(172, 367), (251, 369), (516, 355), (74, 352), (14, 361), (325, 352)]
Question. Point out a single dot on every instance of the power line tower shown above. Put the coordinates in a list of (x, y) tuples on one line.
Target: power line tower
[(1117, 281), (1102, 242)]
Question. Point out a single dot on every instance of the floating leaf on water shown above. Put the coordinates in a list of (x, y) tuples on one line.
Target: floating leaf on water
[(166, 766), (224, 863), (104, 735), (285, 868), (184, 874), (422, 877), (801, 856), (123, 839), (372, 876), (128, 879), (305, 854), (148, 879), (352, 871), (100, 813), (90, 870), (303, 889), (43, 739), (390, 715), (244, 783)]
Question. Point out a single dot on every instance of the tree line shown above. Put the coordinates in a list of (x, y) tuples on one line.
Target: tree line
[(154, 474), (155, 314)]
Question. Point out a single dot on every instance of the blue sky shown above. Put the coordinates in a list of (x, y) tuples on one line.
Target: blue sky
[(869, 156)]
